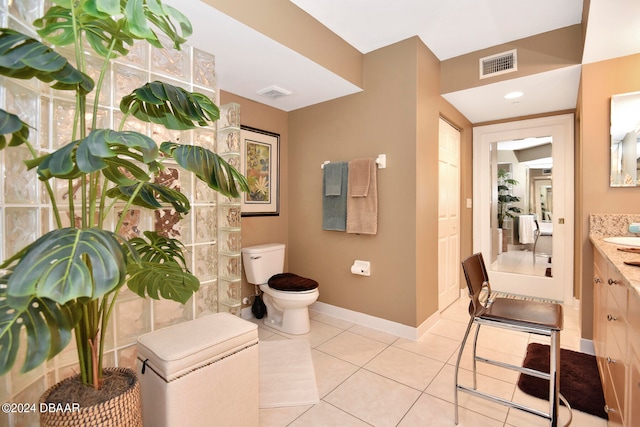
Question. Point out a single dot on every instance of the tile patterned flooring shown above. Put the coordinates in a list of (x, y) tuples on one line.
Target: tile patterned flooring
[(521, 261), (370, 378)]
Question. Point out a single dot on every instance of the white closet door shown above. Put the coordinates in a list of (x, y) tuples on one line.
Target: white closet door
[(448, 215)]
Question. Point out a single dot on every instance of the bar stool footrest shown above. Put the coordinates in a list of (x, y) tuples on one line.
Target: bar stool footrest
[(521, 369), (516, 405)]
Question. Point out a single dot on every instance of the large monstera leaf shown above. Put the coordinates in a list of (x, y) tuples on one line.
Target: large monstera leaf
[(11, 124), (162, 270), (102, 150), (48, 329), (208, 167), (67, 264), (113, 24), (141, 13), (151, 195), (104, 34), (170, 106), (24, 57)]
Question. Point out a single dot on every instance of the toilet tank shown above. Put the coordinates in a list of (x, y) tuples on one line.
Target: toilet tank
[(263, 261)]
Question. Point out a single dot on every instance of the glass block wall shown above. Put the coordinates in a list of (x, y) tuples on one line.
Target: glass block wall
[(211, 232), (229, 244)]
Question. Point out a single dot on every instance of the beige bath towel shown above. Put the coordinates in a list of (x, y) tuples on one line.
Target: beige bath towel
[(359, 177), (362, 197)]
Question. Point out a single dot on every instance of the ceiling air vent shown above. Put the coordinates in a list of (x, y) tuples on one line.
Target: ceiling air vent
[(501, 63), (274, 92)]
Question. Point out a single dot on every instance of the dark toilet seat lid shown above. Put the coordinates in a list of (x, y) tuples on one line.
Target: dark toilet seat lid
[(291, 282)]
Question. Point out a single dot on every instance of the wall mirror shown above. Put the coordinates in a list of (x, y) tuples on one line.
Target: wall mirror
[(625, 137), (524, 201)]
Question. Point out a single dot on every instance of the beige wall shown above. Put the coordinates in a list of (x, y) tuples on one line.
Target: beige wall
[(426, 193), (536, 54), (396, 114), (265, 229), (593, 195)]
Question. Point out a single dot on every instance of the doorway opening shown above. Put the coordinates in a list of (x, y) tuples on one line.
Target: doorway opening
[(546, 197)]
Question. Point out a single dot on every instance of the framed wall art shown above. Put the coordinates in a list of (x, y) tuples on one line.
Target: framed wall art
[(260, 163)]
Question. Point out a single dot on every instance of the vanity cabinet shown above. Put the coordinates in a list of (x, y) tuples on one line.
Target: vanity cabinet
[(599, 308), (634, 359), (611, 339)]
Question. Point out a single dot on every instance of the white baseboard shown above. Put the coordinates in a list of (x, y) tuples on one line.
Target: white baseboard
[(388, 326), (586, 346)]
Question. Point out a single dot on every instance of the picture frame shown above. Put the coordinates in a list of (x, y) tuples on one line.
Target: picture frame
[(260, 163)]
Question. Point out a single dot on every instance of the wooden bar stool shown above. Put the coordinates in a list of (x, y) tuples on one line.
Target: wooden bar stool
[(533, 317)]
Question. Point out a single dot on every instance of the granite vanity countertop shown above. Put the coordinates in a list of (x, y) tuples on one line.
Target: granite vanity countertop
[(610, 250)]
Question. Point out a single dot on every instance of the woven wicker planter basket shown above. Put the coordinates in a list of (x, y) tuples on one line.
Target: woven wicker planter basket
[(121, 411)]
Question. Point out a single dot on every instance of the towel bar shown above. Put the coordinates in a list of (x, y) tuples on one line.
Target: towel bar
[(381, 161)]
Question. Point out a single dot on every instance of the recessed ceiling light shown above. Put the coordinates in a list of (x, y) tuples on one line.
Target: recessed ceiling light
[(513, 95)]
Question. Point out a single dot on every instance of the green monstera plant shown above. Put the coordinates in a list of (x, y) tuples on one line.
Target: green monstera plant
[(65, 283), (505, 198)]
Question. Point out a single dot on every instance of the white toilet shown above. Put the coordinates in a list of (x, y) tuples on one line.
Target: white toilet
[(287, 306)]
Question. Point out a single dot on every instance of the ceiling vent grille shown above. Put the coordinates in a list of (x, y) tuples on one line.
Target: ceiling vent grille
[(501, 63), (274, 92)]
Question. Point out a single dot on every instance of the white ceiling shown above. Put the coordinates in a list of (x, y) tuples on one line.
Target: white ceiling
[(247, 61), (448, 28)]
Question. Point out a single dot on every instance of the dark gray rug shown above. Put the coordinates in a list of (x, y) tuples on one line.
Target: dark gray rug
[(579, 379)]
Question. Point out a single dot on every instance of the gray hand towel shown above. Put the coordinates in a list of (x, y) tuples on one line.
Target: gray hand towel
[(332, 179), (334, 208)]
